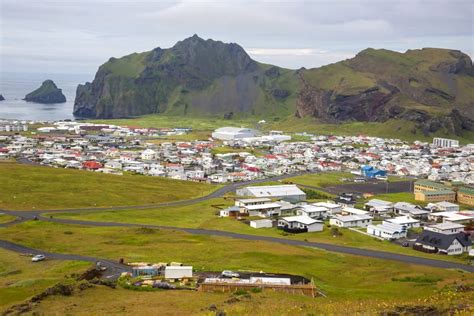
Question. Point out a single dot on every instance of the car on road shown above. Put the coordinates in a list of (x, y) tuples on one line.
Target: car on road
[(229, 274), (38, 258)]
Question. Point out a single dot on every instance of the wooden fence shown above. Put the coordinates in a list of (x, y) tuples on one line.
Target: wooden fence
[(301, 289)]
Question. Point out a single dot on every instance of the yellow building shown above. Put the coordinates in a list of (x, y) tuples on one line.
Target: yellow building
[(429, 191), (466, 196)]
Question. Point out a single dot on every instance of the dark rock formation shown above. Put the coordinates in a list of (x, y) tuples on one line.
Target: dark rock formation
[(47, 93), (430, 87), (1, 97)]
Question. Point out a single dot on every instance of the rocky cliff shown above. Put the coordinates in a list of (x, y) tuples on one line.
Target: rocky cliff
[(48, 92), (194, 77), (432, 87)]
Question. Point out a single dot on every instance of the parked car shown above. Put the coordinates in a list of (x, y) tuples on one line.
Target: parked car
[(38, 258), (229, 274)]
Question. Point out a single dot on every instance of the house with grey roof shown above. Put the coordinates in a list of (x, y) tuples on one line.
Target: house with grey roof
[(449, 244)]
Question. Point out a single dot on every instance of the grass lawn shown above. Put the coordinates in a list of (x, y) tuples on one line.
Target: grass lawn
[(390, 129), (4, 218), (196, 123), (20, 278), (32, 187), (322, 180), (203, 215), (352, 282)]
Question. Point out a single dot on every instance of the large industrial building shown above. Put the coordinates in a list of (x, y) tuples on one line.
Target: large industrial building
[(233, 133), (290, 193)]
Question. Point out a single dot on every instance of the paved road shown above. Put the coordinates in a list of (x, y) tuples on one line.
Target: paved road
[(28, 215), (114, 269), (330, 247)]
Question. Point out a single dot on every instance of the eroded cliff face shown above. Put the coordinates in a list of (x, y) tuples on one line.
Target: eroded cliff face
[(431, 87)]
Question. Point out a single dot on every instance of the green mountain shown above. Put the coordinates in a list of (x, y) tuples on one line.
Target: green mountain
[(432, 87), (48, 92), (194, 77)]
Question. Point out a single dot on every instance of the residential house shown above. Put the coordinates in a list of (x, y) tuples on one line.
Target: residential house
[(443, 207), (408, 209), (449, 244), (379, 207), (300, 224), (362, 220), (447, 228), (312, 211), (387, 231), (332, 208), (405, 221)]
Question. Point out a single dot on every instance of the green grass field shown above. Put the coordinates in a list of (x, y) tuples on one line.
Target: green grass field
[(20, 278), (343, 278), (29, 187), (4, 218), (390, 129), (321, 180)]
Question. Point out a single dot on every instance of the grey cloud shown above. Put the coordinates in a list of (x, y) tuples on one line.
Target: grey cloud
[(80, 35)]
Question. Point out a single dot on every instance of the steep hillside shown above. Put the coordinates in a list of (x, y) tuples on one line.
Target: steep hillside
[(432, 87), (194, 77)]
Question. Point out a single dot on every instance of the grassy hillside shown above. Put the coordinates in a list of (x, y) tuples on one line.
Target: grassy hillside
[(352, 284), (28, 187)]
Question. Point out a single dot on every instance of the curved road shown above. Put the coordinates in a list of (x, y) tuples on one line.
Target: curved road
[(114, 269), (329, 247), (28, 215)]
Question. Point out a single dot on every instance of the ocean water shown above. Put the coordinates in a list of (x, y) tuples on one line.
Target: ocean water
[(14, 87)]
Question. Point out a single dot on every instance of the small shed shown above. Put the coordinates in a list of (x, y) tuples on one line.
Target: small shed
[(178, 272), (261, 223)]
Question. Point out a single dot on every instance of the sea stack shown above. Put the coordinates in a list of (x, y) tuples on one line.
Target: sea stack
[(1, 97), (47, 93)]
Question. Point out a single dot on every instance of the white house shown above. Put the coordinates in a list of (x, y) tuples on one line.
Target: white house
[(379, 206), (300, 223), (387, 231), (408, 209), (148, 154), (332, 208), (351, 220), (443, 207), (406, 221), (446, 228), (263, 210), (312, 211)]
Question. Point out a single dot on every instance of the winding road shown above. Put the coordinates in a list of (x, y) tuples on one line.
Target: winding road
[(38, 214)]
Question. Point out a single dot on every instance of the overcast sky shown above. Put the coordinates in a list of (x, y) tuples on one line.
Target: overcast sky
[(77, 36)]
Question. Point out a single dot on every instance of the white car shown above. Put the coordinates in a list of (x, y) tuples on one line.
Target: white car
[(38, 258), (229, 274)]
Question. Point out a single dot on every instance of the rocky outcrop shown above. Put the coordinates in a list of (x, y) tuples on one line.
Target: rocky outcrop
[(430, 87), (1, 97), (48, 92)]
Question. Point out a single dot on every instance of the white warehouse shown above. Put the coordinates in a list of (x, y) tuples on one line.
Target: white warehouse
[(233, 133)]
